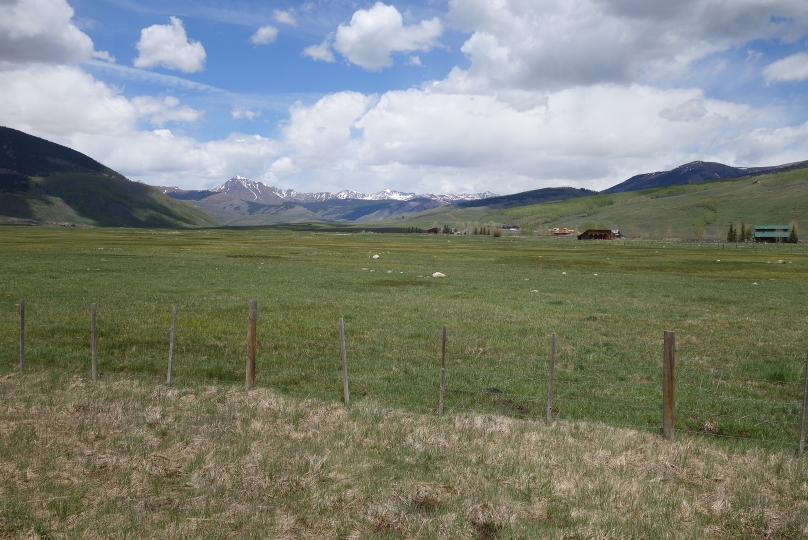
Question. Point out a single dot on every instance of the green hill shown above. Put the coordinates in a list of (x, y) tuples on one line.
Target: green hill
[(44, 182), (702, 210)]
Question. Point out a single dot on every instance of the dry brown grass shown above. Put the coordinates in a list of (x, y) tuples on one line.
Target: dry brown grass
[(128, 458)]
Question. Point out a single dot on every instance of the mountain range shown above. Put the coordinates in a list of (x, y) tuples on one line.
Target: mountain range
[(41, 182), (242, 201), (258, 192)]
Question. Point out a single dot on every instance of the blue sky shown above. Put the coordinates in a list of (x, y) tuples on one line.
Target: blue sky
[(432, 96)]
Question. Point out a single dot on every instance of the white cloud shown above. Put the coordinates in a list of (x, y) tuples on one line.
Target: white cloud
[(168, 46), (320, 52), (162, 157), (56, 101), (553, 44), (791, 68), (285, 165), (691, 110), (414, 60), (239, 113), (424, 141), (66, 105), (774, 146), (264, 35), (41, 31), (285, 17), (104, 56), (321, 133), (160, 111), (375, 33)]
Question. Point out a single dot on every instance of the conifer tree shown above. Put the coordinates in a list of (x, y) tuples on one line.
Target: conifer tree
[(732, 235)]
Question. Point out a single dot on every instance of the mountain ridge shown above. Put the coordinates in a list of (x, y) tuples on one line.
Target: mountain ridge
[(694, 172), (251, 190), (45, 182)]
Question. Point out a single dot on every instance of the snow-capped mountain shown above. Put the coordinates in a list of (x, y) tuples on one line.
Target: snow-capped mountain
[(254, 191)]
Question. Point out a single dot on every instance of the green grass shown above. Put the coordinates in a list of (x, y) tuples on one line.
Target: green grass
[(741, 346)]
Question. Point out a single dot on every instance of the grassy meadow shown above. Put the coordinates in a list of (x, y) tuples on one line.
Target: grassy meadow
[(738, 314), (130, 457)]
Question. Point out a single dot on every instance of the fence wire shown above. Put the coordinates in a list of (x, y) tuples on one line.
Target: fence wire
[(743, 395)]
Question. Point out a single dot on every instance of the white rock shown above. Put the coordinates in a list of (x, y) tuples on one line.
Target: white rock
[(438, 274), (375, 257), (364, 269), (754, 283), (534, 290), (563, 273), (389, 271)]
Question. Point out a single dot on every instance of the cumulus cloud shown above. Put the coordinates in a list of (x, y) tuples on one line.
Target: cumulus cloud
[(691, 110), (66, 105), (791, 68), (551, 44), (162, 157), (419, 140), (41, 31), (160, 111), (375, 33), (239, 113), (264, 35), (168, 46), (55, 101), (321, 52), (320, 134), (285, 17)]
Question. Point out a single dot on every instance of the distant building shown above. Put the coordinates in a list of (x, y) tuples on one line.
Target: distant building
[(433, 230), (771, 233), (557, 231), (599, 234)]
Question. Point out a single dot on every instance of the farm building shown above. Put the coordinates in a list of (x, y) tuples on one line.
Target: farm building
[(771, 233), (599, 234), (557, 231)]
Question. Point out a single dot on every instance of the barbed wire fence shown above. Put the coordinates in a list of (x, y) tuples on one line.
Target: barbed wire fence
[(757, 396)]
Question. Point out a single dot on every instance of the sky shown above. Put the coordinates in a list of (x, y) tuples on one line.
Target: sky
[(430, 96)]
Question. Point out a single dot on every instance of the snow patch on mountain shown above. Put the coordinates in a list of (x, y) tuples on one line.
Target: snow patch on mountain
[(252, 190)]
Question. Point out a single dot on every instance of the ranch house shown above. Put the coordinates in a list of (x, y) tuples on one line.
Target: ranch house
[(599, 234), (771, 233)]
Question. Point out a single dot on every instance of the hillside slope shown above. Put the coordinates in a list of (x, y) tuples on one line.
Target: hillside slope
[(701, 210), (44, 182), (694, 173)]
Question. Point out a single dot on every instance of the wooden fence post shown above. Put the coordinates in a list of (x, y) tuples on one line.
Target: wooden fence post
[(550, 379), (171, 343), (251, 343), (804, 411), (668, 385), (93, 360), (345, 394), (22, 335), (442, 372)]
